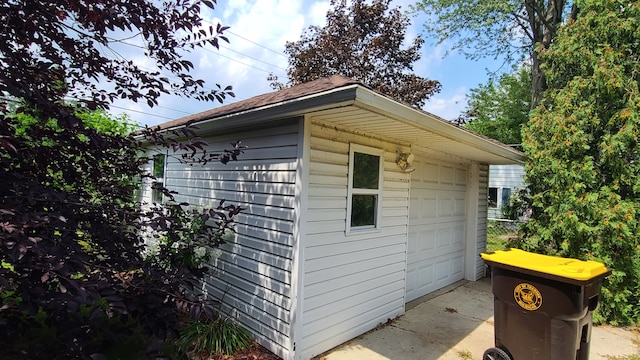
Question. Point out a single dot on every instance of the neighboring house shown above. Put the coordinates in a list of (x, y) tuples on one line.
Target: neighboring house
[(503, 181), (355, 205)]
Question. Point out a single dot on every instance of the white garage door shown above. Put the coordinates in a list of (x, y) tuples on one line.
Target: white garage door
[(436, 227)]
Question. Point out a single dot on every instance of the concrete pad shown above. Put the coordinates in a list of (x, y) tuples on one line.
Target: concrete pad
[(455, 321)]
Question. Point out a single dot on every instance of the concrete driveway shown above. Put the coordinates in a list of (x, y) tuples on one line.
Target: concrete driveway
[(457, 323)]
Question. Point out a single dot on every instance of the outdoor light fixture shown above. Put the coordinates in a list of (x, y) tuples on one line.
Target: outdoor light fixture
[(404, 162)]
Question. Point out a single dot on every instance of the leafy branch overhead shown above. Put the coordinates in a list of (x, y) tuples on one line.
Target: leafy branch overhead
[(513, 30), (74, 279), (191, 148), (501, 109), (56, 49), (364, 41)]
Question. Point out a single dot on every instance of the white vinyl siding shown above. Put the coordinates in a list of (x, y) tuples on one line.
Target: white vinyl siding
[(503, 177), (253, 276), (350, 283), (483, 210)]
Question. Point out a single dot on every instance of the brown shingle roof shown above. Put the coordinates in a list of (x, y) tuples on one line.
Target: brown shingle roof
[(300, 93), (294, 92)]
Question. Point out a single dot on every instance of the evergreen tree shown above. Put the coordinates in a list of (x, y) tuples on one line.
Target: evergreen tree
[(584, 154)]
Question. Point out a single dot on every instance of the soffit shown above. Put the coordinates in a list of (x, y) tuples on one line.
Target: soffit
[(418, 135)]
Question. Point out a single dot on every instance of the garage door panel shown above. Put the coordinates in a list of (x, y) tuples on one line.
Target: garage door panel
[(437, 228), (458, 237), (459, 207), (449, 270), (457, 266), (422, 240), (445, 207), (444, 238), (425, 208), (428, 245), (422, 279), (443, 270)]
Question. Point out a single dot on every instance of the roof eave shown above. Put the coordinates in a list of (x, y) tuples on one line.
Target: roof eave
[(334, 98), (373, 101)]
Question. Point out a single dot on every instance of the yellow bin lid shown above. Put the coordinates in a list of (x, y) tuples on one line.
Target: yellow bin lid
[(554, 266)]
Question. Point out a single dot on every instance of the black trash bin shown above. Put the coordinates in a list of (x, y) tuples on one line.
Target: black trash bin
[(543, 305)]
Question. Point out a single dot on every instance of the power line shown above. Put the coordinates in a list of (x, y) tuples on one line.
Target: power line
[(238, 61), (257, 44), (209, 50), (140, 112), (176, 110), (249, 40), (256, 59)]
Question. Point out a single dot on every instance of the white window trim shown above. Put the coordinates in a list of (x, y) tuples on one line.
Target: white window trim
[(353, 148), (158, 179)]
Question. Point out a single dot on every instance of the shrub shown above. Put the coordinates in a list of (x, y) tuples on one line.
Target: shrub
[(218, 336), (584, 154)]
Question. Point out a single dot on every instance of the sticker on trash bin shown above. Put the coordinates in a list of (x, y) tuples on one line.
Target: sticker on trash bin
[(527, 296)]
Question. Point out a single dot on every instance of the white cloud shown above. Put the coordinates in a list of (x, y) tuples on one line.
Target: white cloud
[(448, 106), (258, 33), (432, 58), (317, 14)]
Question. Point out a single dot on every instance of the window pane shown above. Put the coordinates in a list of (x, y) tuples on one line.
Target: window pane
[(363, 210), (158, 166), (366, 171), (506, 193), (493, 197), (156, 192)]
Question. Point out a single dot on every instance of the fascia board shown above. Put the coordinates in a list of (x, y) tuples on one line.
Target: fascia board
[(339, 97)]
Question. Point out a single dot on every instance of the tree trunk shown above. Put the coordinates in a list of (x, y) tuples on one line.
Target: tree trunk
[(545, 17), (538, 80)]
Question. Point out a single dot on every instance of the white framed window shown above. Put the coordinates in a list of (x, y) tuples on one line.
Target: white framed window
[(506, 194), (364, 199), (158, 167), (493, 197)]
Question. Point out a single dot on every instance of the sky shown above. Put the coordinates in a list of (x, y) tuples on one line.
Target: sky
[(259, 30)]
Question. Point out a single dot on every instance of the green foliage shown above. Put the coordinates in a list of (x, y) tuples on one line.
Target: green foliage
[(73, 282), (72, 274), (500, 235), (465, 354), (192, 242), (219, 336), (500, 110), (584, 155), (512, 30), (129, 340), (518, 205), (107, 124), (624, 357), (479, 28)]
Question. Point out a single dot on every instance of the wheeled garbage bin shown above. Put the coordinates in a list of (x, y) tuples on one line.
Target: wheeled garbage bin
[(542, 305)]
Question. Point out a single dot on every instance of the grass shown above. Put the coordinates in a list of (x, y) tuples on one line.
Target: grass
[(220, 336), (498, 236), (465, 354)]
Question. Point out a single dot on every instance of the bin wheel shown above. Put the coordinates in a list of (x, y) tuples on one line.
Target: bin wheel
[(495, 354)]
